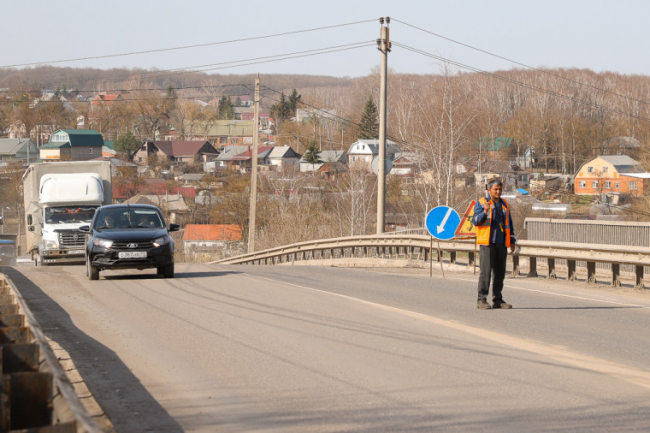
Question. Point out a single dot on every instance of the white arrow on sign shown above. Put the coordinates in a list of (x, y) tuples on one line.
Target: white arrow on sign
[(441, 227)]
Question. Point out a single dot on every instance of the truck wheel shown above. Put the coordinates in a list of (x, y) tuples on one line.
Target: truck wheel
[(166, 271), (91, 271)]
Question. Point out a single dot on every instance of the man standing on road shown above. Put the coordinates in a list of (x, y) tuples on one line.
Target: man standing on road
[(494, 236)]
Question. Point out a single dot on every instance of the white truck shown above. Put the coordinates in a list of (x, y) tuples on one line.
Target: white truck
[(59, 198)]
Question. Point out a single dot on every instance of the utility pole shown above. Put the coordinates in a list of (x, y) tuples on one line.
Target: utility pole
[(253, 188), (383, 44)]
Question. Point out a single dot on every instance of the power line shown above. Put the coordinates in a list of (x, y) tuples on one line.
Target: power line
[(253, 38), (519, 83), (522, 64)]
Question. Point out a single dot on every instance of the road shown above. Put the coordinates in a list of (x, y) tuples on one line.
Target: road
[(321, 349)]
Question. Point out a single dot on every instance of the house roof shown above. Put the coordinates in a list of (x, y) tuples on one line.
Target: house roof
[(262, 152), (368, 147), (327, 156), (229, 152), (221, 128), (283, 152), (169, 202), (77, 137), (178, 149), (192, 177), (624, 164), (212, 232), (12, 146), (106, 99), (55, 145), (185, 191), (493, 144)]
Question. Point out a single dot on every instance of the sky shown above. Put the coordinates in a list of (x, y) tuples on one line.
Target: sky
[(239, 37)]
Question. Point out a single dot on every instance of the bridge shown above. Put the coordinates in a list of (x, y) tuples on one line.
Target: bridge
[(259, 342)]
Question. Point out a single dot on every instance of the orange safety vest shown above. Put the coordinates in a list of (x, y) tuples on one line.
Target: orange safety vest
[(483, 229)]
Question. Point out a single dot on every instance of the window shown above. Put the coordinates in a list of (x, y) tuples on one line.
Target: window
[(583, 184), (605, 170), (632, 186), (594, 184), (608, 184), (90, 150), (590, 169), (616, 185)]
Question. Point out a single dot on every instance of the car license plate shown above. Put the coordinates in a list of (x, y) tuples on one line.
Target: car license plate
[(75, 252), (132, 255)]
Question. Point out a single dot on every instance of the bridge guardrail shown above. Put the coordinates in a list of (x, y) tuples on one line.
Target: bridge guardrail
[(419, 247)]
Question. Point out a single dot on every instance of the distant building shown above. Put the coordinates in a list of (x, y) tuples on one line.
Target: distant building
[(73, 145), (18, 148), (326, 156), (175, 151), (207, 237), (362, 152), (611, 174)]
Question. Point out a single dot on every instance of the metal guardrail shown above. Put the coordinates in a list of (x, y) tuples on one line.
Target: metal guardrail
[(413, 246)]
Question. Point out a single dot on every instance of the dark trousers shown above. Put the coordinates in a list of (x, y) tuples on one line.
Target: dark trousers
[(493, 264)]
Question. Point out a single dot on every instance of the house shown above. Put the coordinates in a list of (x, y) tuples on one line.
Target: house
[(18, 148), (362, 152), (284, 157), (326, 156), (105, 99), (244, 161), (175, 151), (207, 237), (191, 178), (221, 132), (510, 174), (610, 174), (407, 164), (492, 147), (225, 158), (73, 144), (546, 183), (172, 204)]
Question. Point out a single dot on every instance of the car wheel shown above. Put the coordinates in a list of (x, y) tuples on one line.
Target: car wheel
[(166, 271), (91, 271)]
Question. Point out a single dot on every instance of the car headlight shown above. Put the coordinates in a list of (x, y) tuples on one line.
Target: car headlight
[(163, 240), (51, 245), (104, 243)]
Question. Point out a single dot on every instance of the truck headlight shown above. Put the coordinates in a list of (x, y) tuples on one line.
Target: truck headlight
[(51, 245), (104, 243), (163, 240)]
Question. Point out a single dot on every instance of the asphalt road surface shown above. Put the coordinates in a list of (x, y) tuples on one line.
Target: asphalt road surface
[(321, 349)]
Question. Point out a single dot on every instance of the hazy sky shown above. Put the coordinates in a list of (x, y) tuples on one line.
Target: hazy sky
[(595, 34)]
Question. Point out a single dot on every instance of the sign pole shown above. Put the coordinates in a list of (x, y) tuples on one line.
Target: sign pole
[(440, 259), (475, 257), (431, 258)]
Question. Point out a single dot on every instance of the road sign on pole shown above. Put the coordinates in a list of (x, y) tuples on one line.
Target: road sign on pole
[(442, 222), (466, 227)]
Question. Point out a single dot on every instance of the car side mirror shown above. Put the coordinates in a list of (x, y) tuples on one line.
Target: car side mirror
[(174, 227), (29, 220), (84, 229), (30, 228)]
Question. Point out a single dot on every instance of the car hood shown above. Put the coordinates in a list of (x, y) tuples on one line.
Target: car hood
[(130, 234)]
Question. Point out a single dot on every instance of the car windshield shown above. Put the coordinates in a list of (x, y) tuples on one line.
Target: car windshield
[(128, 218), (69, 214)]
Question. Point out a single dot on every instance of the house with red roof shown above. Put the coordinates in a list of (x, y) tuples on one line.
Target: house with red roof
[(244, 161), (175, 151), (208, 237), (105, 99)]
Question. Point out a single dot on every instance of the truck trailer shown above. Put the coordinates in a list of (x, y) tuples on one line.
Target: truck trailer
[(59, 198)]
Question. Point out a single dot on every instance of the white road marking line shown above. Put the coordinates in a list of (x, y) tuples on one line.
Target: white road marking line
[(589, 363), (565, 296)]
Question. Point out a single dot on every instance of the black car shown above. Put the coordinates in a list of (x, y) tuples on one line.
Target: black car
[(126, 236)]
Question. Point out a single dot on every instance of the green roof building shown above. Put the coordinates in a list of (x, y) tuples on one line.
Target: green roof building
[(73, 144)]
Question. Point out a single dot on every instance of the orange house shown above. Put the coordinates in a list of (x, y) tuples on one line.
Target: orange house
[(611, 174)]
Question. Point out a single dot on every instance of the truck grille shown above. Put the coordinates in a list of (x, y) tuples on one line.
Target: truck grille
[(141, 245), (72, 239)]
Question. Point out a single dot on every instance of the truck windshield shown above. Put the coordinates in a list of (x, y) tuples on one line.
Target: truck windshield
[(69, 214)]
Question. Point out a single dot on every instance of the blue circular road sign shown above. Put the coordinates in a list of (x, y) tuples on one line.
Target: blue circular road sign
[(442, 222)]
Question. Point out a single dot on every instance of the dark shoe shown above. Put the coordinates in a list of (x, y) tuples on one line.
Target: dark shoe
[(483, 305), (502, 305)]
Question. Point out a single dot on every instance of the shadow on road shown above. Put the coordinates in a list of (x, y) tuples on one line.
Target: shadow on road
[(126, 402)]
